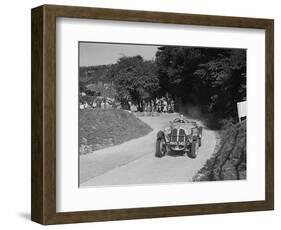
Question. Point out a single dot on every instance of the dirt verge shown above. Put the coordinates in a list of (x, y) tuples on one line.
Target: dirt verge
[(229, 161)]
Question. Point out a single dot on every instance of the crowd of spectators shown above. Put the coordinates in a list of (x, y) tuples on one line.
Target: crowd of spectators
[(159, 105)]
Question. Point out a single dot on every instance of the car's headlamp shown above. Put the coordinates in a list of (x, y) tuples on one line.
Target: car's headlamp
[(167, 130), (187, 131)]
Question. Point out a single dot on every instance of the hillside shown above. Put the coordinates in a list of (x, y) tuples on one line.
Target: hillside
[(229, 162), (94, 74), (101, 128)]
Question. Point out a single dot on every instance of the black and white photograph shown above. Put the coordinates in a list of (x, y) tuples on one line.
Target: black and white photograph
[(161, 114)]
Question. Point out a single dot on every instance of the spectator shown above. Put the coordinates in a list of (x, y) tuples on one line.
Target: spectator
[(102, 104), (165, 104)]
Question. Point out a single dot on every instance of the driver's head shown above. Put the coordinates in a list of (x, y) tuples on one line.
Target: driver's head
[(181, 117)]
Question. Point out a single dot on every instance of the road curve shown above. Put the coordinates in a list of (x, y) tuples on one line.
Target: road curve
[(133, 162)]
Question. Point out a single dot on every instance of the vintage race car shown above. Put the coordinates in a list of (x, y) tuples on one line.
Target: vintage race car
[(182, 135)]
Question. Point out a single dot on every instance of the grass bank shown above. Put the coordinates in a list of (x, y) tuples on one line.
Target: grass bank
[(101, 128)]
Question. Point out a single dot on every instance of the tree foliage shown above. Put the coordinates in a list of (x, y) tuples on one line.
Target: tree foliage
[(212, 79), (135, 80)]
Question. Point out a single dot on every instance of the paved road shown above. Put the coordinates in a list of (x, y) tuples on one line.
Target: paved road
[(133, 162)]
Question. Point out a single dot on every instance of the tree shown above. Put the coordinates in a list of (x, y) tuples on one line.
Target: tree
[(212, 79), (135, 80), (175, 67), (224, 81)]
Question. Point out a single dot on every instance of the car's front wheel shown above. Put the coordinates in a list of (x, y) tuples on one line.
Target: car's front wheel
[(160, 147), (194, 149)]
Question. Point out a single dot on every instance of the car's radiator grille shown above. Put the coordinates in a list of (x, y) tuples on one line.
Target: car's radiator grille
[(177, 136), (181, 135), (174, 135)]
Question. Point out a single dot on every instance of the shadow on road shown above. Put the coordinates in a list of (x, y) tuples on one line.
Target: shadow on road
[(176, 154)]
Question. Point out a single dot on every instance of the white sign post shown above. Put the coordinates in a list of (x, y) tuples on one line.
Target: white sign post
[(242, 109)]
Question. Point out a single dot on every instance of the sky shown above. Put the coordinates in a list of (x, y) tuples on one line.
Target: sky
[(91, 54)]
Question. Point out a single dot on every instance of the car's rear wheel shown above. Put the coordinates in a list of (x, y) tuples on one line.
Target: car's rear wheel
[(160, 147), (194, 149)]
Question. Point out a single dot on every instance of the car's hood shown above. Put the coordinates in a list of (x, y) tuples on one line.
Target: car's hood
[(182, 126), (187, 127)]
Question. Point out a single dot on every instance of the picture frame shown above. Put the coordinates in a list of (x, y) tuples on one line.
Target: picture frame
[(43, 160)]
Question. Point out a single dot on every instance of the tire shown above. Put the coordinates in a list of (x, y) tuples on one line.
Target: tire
[(160, 147), (200, 136), (194, 149)]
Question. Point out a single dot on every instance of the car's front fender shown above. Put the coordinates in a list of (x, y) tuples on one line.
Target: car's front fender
[(160, 134)]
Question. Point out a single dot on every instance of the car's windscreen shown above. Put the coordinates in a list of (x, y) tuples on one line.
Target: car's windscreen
[(177, 120)]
